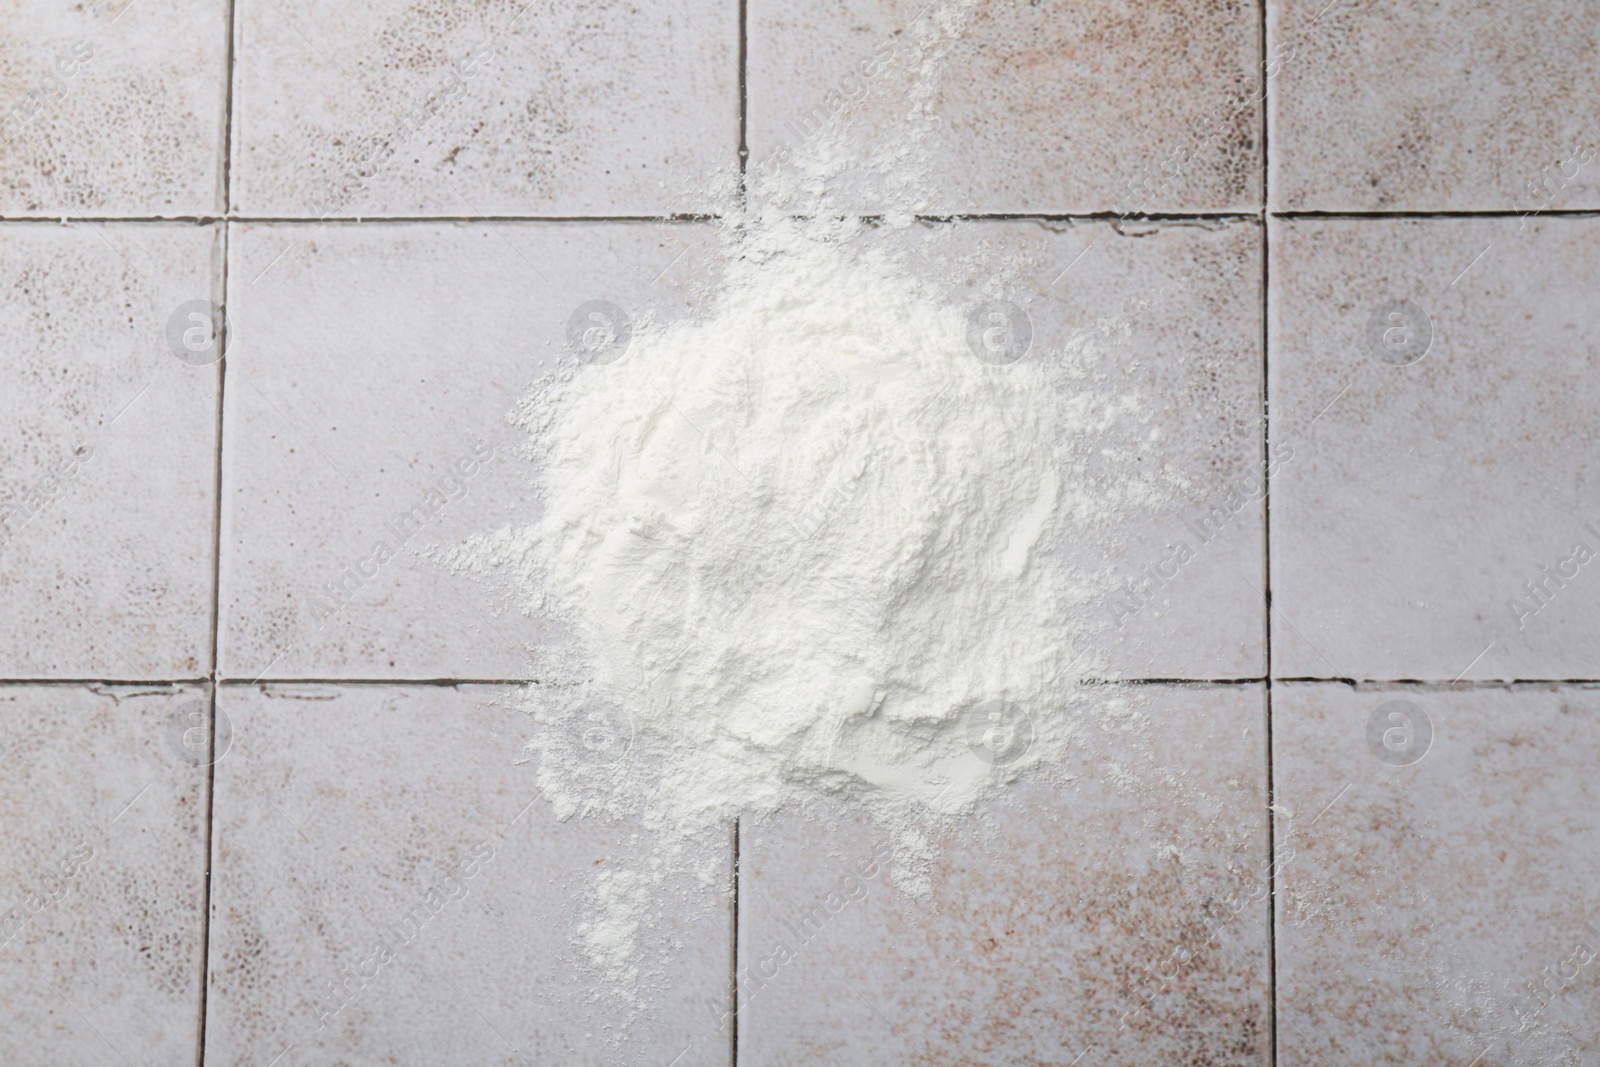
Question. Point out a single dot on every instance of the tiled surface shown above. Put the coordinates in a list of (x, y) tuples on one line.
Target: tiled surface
[(349, 819), (1412, 508), (107, 460), (1169, 316), (1444, 909), (103, 869), (506, 108), (1453, 105), (1161, 324), (112, 108), (1049, 107), (1422, 498), (1077, 920), (340, 329)]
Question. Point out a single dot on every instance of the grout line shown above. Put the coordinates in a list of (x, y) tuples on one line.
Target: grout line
[(689, 217), (744, 194), (744, 94), (1266, 536), (1298, 679), (733, 979), (206, 822), (313, 220), (1492, 213), (216, 631), (225, 183)]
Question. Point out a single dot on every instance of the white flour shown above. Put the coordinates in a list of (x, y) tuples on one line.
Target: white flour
[(806, 544)]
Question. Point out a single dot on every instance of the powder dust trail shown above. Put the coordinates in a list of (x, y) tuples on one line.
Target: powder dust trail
[(809, 544)]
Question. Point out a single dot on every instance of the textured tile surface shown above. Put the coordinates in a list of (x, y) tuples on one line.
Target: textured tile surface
[(1091, 919), (102, 874), (107, 452), (375, 367), (1426, 498), (1456, 105), (427, 108), (1050, 107), (112, 108), (1439, 904), (1162, 322), (349, 819)]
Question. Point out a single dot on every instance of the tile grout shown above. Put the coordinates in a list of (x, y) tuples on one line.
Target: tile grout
[(1266, 533), (248, 683), (225, 191), (691, 217), (744, 189)]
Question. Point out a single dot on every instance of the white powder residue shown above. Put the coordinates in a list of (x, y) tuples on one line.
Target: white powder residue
[(811, 547), (808, 545)]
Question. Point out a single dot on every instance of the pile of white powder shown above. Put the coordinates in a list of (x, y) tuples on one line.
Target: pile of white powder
[(810, 545)]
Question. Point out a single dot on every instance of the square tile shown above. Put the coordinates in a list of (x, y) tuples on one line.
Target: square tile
[(1457, 105), (103, 864), (108, 496), (1164, 322), (1091, 922), (1150, 326), (408, 819), (372, 376), (1049, 107), (112, 107), (1436, 520), (404, 108), (1437, 900)]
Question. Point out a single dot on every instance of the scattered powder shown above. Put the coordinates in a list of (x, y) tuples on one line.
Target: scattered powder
[(811, 547)]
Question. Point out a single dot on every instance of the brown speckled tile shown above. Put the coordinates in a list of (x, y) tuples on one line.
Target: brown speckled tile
[(112, 107), (341, 812), (107, 450), (1088, 923), (1440, 904), (1046, 107), (416, 107), (102, 874), (1427, 501), (377, 365), (1454, 105)]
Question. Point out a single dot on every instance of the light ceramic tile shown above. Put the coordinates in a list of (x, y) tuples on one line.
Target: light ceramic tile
[(1439, 852), (111, 107), (1161, 325), (107, 500), (402, 108), (1451, 106), (1423, 499), (374, 366), (352, 817), (1090, 922), (1157, 326), (1049, 108), (103, 864)]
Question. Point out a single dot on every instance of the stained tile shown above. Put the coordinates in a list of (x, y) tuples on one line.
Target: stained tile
[(112, 107), (103, 863), (108, 449), (1435, 379), (367, 427), (1089, 921), (406, 108), (390, 887), (1379, 105), (1439, 855), (1050, 108)]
